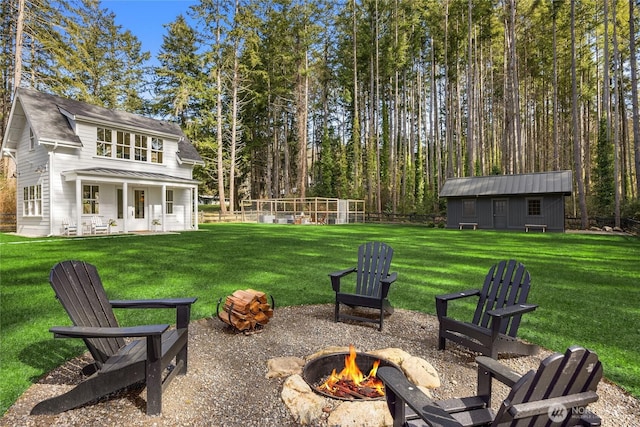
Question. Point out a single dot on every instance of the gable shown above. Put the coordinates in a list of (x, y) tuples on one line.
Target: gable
[(558, 182), (53, 119)]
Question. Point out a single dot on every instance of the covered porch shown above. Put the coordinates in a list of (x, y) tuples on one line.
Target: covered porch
[(130, 201)]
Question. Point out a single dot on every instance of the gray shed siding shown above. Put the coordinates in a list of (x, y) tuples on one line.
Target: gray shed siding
[(516, 216)]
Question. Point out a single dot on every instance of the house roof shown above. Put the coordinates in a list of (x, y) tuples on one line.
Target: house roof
[(558, 182), (49, 116)]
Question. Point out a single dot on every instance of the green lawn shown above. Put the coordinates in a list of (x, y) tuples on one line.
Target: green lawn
[(587, 286)]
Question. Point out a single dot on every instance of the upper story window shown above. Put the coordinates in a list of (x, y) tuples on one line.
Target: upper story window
[(534, 207), (32, 140), (90, 199), (104, 146), (32, 200), (140, 148), (469, 207), (123, 145), (156, 150)]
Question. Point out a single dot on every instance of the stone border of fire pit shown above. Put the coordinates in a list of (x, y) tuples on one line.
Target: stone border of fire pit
[(311, 408), (226, 384)]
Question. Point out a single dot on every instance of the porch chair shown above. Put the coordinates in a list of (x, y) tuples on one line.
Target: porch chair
[(372, 283), (69, 227), (557, 393), (117, 363), (97, 227), (501, 303)]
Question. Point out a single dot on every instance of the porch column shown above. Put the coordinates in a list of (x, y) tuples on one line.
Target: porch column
[(79, 224), (194, 211), (125, 207), (163, 206)]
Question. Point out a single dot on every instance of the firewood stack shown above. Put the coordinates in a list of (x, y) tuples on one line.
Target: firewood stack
[(246, 311)]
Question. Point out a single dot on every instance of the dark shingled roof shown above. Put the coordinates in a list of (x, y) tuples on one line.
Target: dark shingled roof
[(559, 182), (47, 117)]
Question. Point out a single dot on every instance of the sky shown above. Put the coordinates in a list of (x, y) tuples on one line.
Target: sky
[(145, 18)]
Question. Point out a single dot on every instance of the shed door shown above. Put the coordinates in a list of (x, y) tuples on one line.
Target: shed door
[(500, 214)]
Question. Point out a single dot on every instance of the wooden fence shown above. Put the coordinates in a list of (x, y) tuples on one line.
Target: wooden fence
[(7, 222)]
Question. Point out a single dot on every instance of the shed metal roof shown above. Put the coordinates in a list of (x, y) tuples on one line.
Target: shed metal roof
[(557, 182)]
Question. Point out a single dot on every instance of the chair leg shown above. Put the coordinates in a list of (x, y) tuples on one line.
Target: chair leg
[(336, 317), (154, 376), (442, 341), (91, 389)]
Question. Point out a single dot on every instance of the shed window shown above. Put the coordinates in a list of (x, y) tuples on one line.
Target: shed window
[(32, 200), (90, 199), (534, 207), (469, 207)]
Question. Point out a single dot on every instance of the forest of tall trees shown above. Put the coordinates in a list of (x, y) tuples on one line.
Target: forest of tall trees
[(380, 100)]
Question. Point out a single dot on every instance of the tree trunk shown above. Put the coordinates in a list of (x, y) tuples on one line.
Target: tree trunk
[(17, 71), (633, 64), (577, 146)]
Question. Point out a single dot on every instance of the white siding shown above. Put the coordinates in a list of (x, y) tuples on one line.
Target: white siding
[(28, 161)]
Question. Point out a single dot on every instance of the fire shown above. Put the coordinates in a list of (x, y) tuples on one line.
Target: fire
[(351, 382)]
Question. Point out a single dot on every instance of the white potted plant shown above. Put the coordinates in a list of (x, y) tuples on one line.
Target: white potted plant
[(156, 224), (112, 223)]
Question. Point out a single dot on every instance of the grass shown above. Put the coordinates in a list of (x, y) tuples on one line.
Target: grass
[(587, 286)]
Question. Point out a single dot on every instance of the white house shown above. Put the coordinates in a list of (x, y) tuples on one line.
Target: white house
[(81, 164)]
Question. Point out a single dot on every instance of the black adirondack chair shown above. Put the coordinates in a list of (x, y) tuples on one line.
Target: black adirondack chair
[(373, 281), (117, 364), (556, 394), (501, 303)]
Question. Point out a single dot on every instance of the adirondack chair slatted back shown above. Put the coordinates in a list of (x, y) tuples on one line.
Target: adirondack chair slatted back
[(374, 262), (506, 284), (78, 287), (578, 370)]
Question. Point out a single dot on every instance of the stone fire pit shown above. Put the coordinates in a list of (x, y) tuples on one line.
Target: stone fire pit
[(311, 408)]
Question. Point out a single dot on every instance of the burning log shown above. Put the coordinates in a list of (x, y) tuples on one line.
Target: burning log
[(351, 383), (246, 310)]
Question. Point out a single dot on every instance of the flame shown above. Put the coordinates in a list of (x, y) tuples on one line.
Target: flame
[(351, 373)]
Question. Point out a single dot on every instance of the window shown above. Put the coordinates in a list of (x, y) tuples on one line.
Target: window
[(534, 207), (140, 148), (123, 145), (120, 203), (90, 199), (104, 145), (156, 150), (469, 208), (169, 201), (32, 140), (32, 200)]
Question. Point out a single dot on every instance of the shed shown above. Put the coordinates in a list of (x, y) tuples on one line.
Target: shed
[(508, 202)]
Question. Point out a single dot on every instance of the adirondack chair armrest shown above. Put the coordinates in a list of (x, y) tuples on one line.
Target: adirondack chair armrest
[(511, 311), (495, 369), (99, 332), (443, 300), (458, 295), (541, 407), (336, 275), (183, 306), (153, 303), (386, 283), (400, 390)]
